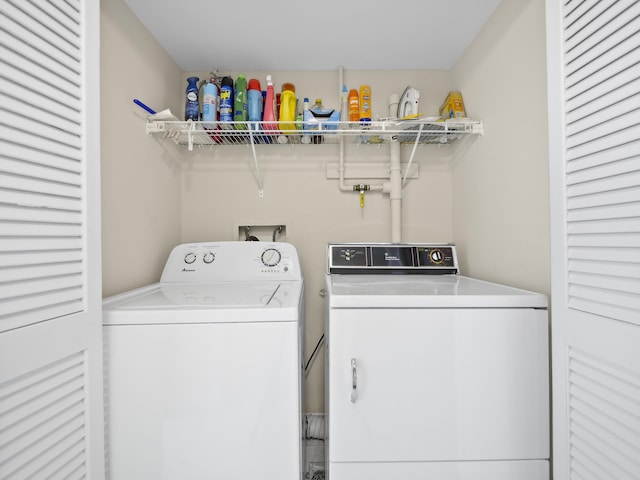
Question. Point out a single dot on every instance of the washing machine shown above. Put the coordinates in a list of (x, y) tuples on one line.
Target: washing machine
[(431, 374), (203, 370)]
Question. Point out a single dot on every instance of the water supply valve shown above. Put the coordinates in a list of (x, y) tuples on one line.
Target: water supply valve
[(361, 188)]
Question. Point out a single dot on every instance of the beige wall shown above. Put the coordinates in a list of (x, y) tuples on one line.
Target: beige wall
[(141, 183), (500, 197), (495, 191)]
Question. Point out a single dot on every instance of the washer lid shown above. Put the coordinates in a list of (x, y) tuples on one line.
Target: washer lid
[(205, 302), (426, 291)]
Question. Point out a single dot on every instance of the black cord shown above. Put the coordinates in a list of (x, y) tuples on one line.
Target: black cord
[(313, 354)]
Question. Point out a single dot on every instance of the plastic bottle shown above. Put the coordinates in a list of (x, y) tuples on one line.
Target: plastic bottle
[(288, 104), (365, 104), (240, 102), (226, 101), (344, 104), (306, 138), (210, 105), (354, 105), (317, 108), (269, 115), (191, 105), (254, 101)]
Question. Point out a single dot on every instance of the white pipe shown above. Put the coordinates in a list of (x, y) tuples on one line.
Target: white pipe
[(353, 188), (343, 186), (393, 105), (395, 191), (341, 167)]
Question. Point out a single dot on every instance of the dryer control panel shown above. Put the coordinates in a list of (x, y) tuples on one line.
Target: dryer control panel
[(418, 258)]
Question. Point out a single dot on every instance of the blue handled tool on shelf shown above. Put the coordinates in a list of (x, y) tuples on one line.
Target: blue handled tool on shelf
[(148, 109)]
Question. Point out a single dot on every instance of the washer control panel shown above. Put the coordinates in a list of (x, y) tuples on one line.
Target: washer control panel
[(420, 258), (232, 261)]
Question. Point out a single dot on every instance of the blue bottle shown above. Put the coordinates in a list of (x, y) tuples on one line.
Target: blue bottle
[(254, 106), (210, 105), (226, 101), (254, 100), (192, 106)]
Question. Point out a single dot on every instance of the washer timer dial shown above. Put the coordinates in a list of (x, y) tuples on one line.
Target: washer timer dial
[(271, 257)]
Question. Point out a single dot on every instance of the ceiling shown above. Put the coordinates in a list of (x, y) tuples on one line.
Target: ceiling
[(295, 35)]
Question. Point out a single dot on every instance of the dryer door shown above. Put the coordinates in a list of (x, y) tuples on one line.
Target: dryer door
[(438, 385)]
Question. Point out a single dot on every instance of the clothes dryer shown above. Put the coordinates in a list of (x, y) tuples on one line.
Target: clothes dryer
[(203, 369), (431, 374)]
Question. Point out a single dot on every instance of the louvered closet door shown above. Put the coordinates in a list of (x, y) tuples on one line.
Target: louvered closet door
[(50, 325), (594, 139)]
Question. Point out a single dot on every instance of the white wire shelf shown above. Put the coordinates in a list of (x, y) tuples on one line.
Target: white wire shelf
[(203, 134)]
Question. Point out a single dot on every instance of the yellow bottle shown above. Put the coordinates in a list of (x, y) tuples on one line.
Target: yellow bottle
[(365, 103), (288, 104)]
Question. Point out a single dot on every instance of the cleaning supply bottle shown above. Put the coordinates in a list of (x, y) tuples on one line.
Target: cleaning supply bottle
[(277, 111), (317, 111), (226, 101), (210, 105), (288, 104), (354, 105), (317, 107), (254, 102), (240, 102), (192, 106), (365, 104), (269, 115), (344, 104), (306, 114)]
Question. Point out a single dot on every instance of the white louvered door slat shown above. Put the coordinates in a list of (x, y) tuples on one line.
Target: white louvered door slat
[(615, 92), (598, 37), (40, 119), (45, 158), (594, 164), (51, 99), (51, 421), (57, 50), (597, 26)]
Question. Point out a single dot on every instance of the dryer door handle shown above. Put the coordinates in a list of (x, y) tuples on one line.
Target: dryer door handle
[(354, 381)]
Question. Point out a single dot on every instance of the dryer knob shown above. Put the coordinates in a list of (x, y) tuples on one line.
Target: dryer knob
[(209, 257), (436, 256), (189, 258)]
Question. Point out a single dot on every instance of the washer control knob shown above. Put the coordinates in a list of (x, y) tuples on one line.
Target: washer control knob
[(436, 256), (209, 257), (271, 257), (189, 258)]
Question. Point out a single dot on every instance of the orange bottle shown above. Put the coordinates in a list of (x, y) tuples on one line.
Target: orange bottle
[(354, 105)]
